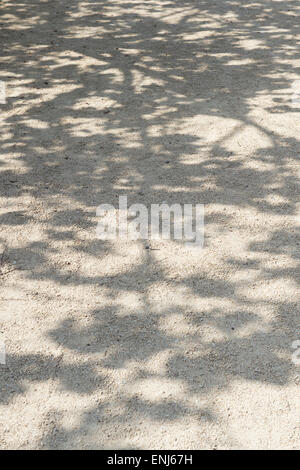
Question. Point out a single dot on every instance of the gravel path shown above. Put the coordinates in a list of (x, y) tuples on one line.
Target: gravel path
[(134, 344)]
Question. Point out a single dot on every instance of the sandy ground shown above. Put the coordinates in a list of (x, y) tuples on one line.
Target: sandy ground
[(110, 344)]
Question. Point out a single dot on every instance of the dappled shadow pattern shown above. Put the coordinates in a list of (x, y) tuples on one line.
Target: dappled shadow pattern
[(153, 101)]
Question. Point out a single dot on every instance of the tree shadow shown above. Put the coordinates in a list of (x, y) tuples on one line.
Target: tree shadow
[(159, 102)]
